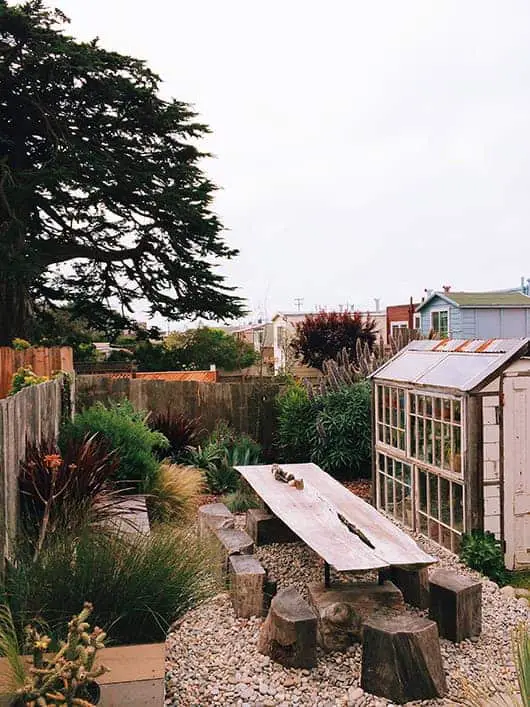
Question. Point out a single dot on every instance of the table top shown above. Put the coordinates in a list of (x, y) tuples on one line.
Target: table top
[(362, 540)]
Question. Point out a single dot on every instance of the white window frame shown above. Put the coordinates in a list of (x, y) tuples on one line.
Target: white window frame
[(397, 326), (438, 312)]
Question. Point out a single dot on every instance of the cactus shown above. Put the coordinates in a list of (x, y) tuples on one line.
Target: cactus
[(62, 678), (345, 371)]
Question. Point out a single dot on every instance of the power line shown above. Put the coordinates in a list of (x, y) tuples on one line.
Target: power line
[(299, 302)]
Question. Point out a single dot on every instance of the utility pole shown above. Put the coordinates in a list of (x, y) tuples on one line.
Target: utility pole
[(299, 302)]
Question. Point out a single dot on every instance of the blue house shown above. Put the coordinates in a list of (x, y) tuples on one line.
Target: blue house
[(476, 315)]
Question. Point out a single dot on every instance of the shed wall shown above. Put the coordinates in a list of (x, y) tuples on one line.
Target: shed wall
[(492, 492)]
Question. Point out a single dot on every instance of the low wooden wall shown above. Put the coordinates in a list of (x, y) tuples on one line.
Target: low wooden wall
[(249, 407), (32, 415), (43, 361)]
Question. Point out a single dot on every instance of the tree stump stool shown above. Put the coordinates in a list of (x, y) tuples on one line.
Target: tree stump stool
[(343, 608), (265, 528), (289, 633), (401, 659), (246, 578), (414, 585), (456, 605), (233, 542), (213, 516)]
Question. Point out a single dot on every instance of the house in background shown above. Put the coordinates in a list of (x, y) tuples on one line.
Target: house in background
[(476, 315), (261, 337), (402, 317)]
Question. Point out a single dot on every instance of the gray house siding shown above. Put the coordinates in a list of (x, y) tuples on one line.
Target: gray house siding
[(435, 305), (479, 323)]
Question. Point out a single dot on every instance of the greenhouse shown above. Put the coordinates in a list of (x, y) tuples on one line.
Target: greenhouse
[(452, 441)]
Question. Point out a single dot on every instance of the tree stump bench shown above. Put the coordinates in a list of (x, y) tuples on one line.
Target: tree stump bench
[(401, 659), (213, 516), (343, 608), (414, 584), (455, 605), (233, 542), (265, 528), (289, 633), (246, 578)]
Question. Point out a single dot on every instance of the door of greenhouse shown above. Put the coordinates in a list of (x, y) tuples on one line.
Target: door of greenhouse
[(517, 470)]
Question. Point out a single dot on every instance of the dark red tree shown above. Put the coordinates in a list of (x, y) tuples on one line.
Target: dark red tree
[(323, 336)]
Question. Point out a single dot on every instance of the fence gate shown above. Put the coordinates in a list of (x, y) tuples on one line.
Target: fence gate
[(516, 465)]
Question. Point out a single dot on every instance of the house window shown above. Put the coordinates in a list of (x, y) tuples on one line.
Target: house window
[(280, 336), (395, 327), (391, 416), (440, 509), (440, 323), (436, 431), (258, 339), (417, 322), (394, 488)]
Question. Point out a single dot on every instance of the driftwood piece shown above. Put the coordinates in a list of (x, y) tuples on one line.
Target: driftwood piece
[(213, 516), (343, 608), (401, 659), (265, 528), (246, 580), (289, 633), (456, 605), (414, 585)]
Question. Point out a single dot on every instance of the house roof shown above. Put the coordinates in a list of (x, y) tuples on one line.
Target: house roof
[(451, 363), (480, 299)]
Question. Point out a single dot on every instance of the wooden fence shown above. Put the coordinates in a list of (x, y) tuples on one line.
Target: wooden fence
[(249, 407), (43, 361), (32, 415)]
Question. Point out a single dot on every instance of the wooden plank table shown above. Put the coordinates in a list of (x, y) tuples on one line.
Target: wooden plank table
[(366, 541)]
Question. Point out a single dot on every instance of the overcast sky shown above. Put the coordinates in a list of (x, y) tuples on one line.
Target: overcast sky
[(364, 149)]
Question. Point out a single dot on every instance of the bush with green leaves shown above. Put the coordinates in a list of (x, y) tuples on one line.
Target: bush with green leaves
[(24, 377), (223, 450), (331, 428), (139, 584), (125, 431), (242, 500), (296, 417), (483, 552)]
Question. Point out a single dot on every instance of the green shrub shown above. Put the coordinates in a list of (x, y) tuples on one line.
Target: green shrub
[(224, 449), (20, 344), (23, 378), (483, 552), (341, 439), (296, 418), (241, 501), (126, 432), (138, 585)]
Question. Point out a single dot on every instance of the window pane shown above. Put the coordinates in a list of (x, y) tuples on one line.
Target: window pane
[(424, 525), (458, 511), (389, 496), (437, 444), (412, 403), (421, 442), (421, 405), (387, 434), (456, 410), (399, 501), (413, 438), (381, 462), (433, 495), (398, 470), (446, 447), (406, 474), (428, 407), (422, 480), (381, 483), (446, 408), (380, 402), (380, 433), (445, 537), (408, 519), (445, 500), (437, 408), (434, 530), (428, 443)]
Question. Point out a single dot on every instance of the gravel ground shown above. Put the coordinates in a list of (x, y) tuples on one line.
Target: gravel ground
[(212, 657)]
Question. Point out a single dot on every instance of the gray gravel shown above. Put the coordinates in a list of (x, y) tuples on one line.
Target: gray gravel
[(212, 657)]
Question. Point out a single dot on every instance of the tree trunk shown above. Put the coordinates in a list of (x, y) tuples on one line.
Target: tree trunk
[(14, 308)]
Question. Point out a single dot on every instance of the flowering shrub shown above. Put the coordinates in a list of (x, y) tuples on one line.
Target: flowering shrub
[(23, 378)]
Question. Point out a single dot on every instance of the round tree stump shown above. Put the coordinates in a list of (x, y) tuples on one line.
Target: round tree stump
[(402, 659), (289, 633)]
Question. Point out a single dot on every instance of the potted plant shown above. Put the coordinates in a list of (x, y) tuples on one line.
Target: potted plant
[(66, 677)]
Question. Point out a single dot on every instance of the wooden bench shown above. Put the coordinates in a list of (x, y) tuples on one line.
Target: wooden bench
[(289, 633), (233, 542), (401, 659), (455, 605)]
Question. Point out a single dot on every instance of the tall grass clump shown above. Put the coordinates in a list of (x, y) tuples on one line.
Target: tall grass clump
[(125, 430), (173, 496), (138, 584)]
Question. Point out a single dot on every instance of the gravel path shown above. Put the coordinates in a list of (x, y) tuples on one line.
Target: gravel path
[(212, 657)]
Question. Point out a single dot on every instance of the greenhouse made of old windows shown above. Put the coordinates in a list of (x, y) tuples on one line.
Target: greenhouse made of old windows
[(451, 429)]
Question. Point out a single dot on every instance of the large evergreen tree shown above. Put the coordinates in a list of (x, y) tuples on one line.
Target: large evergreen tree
[(102, 198)]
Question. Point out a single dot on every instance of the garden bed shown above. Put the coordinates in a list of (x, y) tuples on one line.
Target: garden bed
[(212, 657)]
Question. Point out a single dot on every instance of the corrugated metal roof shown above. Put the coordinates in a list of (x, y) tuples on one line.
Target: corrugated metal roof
[(451, 363)]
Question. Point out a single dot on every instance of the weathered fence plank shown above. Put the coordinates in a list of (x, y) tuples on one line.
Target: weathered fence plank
[(32, 415), (249, 406)]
